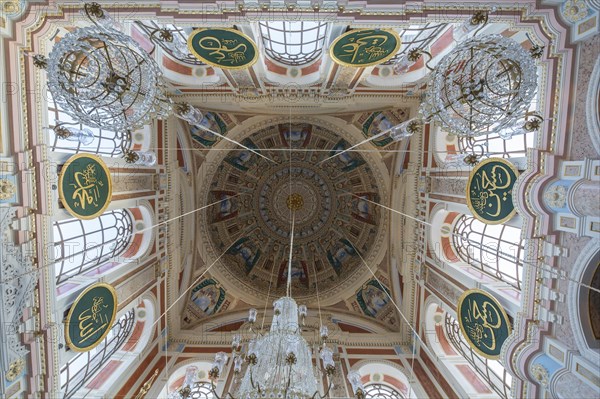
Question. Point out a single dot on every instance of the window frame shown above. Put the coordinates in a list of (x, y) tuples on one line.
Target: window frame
[(473, 250), (483, 366), (97, 357), (122, 222), (290, 57)]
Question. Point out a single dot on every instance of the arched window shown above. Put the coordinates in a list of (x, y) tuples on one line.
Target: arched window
[(417, 37), (82, 245), (494, 249), (201, 390), (101, 142), (79, 369), (194, 375), (514, 146), (385, 379), (496, 146), (381, 391), (293, 43), (492, 371)]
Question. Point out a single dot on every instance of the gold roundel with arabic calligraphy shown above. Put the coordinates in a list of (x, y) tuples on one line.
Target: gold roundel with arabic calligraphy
[(222, 47), (483, 322), (489, 190), (85, 186), (91, 317), (365, 47)]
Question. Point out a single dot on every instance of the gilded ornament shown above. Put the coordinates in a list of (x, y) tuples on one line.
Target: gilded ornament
[(540, 374), (556, 196), (7, 189), (575, 10), (15, 369)]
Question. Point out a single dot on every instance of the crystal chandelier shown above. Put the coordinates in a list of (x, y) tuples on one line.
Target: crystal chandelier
[(483, 86), (103, 78), (279, 360)]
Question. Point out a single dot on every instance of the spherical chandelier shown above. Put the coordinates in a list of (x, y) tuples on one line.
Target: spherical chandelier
[(103, 78), (481, 87)]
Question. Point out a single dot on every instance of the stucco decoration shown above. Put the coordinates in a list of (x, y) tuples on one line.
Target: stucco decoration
[(7, 189), (592, 104), (540, 374), (335, 221), (17, 279)]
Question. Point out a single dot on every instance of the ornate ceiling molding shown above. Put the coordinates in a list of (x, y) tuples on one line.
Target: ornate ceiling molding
[(351, 281)]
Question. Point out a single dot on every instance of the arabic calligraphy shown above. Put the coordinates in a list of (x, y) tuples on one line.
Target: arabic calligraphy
[(490, 191), (482, 326), (225, 48), (364, 47), (221, 52), (93, 317), (483, 322), (86, 187), (372, 50)]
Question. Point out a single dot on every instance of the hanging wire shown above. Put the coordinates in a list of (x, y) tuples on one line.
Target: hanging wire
[(534, 265), (395, 305), (125, 236), (268, 295), (318, 298), (292, 213)]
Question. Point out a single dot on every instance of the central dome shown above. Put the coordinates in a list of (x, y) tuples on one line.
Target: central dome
[(301, 189), (335, 222)]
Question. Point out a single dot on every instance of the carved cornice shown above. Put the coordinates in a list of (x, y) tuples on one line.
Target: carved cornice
[(17, 281)]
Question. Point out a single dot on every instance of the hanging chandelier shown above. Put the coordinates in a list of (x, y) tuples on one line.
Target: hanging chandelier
[(103, 78), (279, 360), (483, 86)]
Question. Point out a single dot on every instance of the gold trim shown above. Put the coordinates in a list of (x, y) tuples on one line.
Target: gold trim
[(381, 61), (473, 172), (111, 289), (460, 323), (60, 186), (195, 54)]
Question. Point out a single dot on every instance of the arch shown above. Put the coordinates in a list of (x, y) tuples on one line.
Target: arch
[(75, 373), (176, 379), (496, 250), (293, 42), (434, 331), (469, 373), (450, 149), (381, 376), (592, 104), (95, 246), (102, 142), (381, 391), (587, 270), (83, 245), (101, 367), (493, 372)]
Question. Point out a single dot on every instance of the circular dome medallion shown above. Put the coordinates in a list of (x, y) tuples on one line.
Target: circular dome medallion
[(334, 220), (305, 191)]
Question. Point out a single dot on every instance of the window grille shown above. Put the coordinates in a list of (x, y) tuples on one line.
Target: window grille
[(82, 245), (380, 391), (417, 37), (81, 368), (293, 43), (492, 371), (106, 143), (496, 250)]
